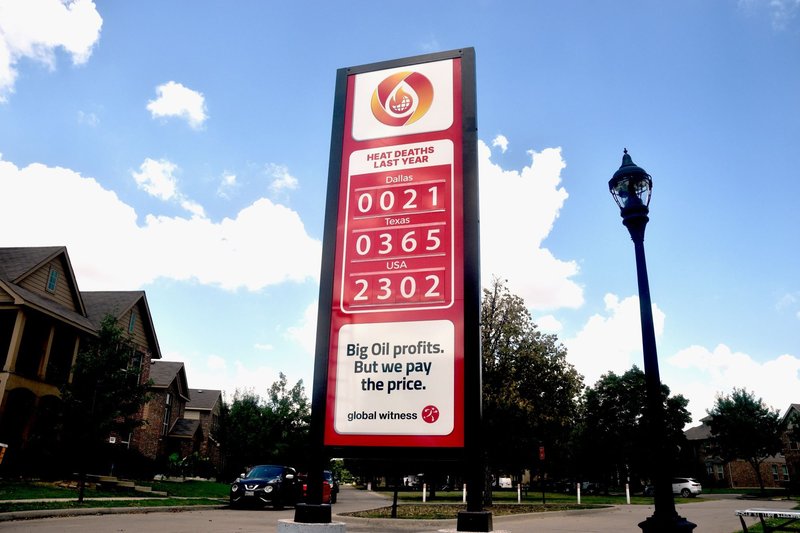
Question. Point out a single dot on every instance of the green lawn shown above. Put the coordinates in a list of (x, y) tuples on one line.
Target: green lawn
[(73, 504), (198, 490)]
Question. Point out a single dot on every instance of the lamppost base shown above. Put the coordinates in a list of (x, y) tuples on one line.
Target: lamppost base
[(474, 521), (670, 524), (305, 513)]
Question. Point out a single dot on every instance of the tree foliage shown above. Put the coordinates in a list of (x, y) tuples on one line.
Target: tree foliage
[(274, 429), (105, 394), (743, 427), (613, 441), (530, 391)]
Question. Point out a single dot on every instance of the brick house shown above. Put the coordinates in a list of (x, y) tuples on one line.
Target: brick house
[(791, 447), (166, 431), (205, 407), (712, 471)]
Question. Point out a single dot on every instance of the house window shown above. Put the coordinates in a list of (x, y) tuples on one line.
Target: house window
[(135, 366), (52, 280), (167, 414), (132, 322), (774, 472), (785, 472), (720, 472)]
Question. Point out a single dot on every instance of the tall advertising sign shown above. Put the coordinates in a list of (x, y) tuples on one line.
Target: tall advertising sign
[(400, 256)]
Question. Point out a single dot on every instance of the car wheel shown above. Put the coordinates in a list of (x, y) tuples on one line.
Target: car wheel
[(685, 493)]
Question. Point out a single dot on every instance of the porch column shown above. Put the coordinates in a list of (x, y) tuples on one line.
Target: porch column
[(16, 340)]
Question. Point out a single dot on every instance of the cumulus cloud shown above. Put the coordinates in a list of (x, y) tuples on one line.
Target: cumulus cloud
[(518, 209), (701, 375), (34, 29), (175, 100), (305, 333), (228, 253), (611, 341), (500, 141), (157, 178)]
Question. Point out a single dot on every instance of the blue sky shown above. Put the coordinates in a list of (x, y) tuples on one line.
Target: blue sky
[(182, 148)]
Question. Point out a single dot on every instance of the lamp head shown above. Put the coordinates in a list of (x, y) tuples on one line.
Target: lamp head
[(630, 186)]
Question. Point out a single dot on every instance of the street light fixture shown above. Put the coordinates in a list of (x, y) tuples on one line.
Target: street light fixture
[(631, 187)]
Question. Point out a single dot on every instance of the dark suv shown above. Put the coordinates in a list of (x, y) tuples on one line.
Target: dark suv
[(266, 484)]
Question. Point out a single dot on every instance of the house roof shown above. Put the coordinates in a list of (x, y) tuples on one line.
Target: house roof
[(164, 373), (15, 263), (18, 263), (701, 432), (793, 408), (203, 399), (117, 303), (184, 428)]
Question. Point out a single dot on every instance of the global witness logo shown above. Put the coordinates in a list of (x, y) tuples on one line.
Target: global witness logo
[(402, 98)]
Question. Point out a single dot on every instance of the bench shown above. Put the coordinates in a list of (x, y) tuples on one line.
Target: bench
[(790, 517)]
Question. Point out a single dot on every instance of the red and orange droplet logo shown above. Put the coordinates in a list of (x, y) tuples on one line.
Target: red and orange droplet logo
[(402, 98)]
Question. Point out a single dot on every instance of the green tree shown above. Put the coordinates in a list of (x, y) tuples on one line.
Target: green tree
[(612, 438), (530, 391), (743, 427), (104, 396), (274, 429)]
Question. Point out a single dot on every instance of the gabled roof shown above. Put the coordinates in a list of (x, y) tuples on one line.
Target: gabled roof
[(184, 429), (16, 264), (117, 303), (165, 373), (793, 408), (701, 432), (203, 399)]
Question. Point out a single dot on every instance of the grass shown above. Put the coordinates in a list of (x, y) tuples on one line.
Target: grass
[(188, 493), (73, 504)]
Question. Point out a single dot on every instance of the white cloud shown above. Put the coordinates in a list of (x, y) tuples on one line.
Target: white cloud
[(518, 209), (33, 29), (305, 333), (500, 141), (88, 119), (781, 12), (229, 254), (611, 342), (157, 178), (701, 374), (227, 184), (264, 347), (282, 179), (175, 100), (548, 324)]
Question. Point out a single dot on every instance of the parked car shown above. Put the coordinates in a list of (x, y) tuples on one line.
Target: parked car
[(328, 495), (334, 483), (266, 484), (684, 486)]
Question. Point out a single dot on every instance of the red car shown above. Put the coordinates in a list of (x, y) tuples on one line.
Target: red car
[(328, 493)]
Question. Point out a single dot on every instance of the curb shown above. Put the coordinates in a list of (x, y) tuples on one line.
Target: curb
[(54, 513)]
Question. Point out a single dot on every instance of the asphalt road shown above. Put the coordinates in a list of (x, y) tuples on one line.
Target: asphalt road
[(710, 515)]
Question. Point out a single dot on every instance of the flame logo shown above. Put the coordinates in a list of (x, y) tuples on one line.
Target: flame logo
[(402, 98)]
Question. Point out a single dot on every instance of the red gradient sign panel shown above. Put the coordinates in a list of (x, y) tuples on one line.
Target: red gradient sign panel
[(395, 362)]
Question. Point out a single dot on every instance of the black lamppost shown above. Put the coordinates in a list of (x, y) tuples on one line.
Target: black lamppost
[(631, 187)]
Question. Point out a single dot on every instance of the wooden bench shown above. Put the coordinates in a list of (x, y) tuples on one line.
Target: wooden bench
[(790, 517)]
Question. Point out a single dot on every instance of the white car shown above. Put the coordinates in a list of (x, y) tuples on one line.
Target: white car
[(686, 486)]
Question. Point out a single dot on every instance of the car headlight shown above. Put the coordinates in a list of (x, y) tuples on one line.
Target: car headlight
[(234, 487), (268, 488)]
